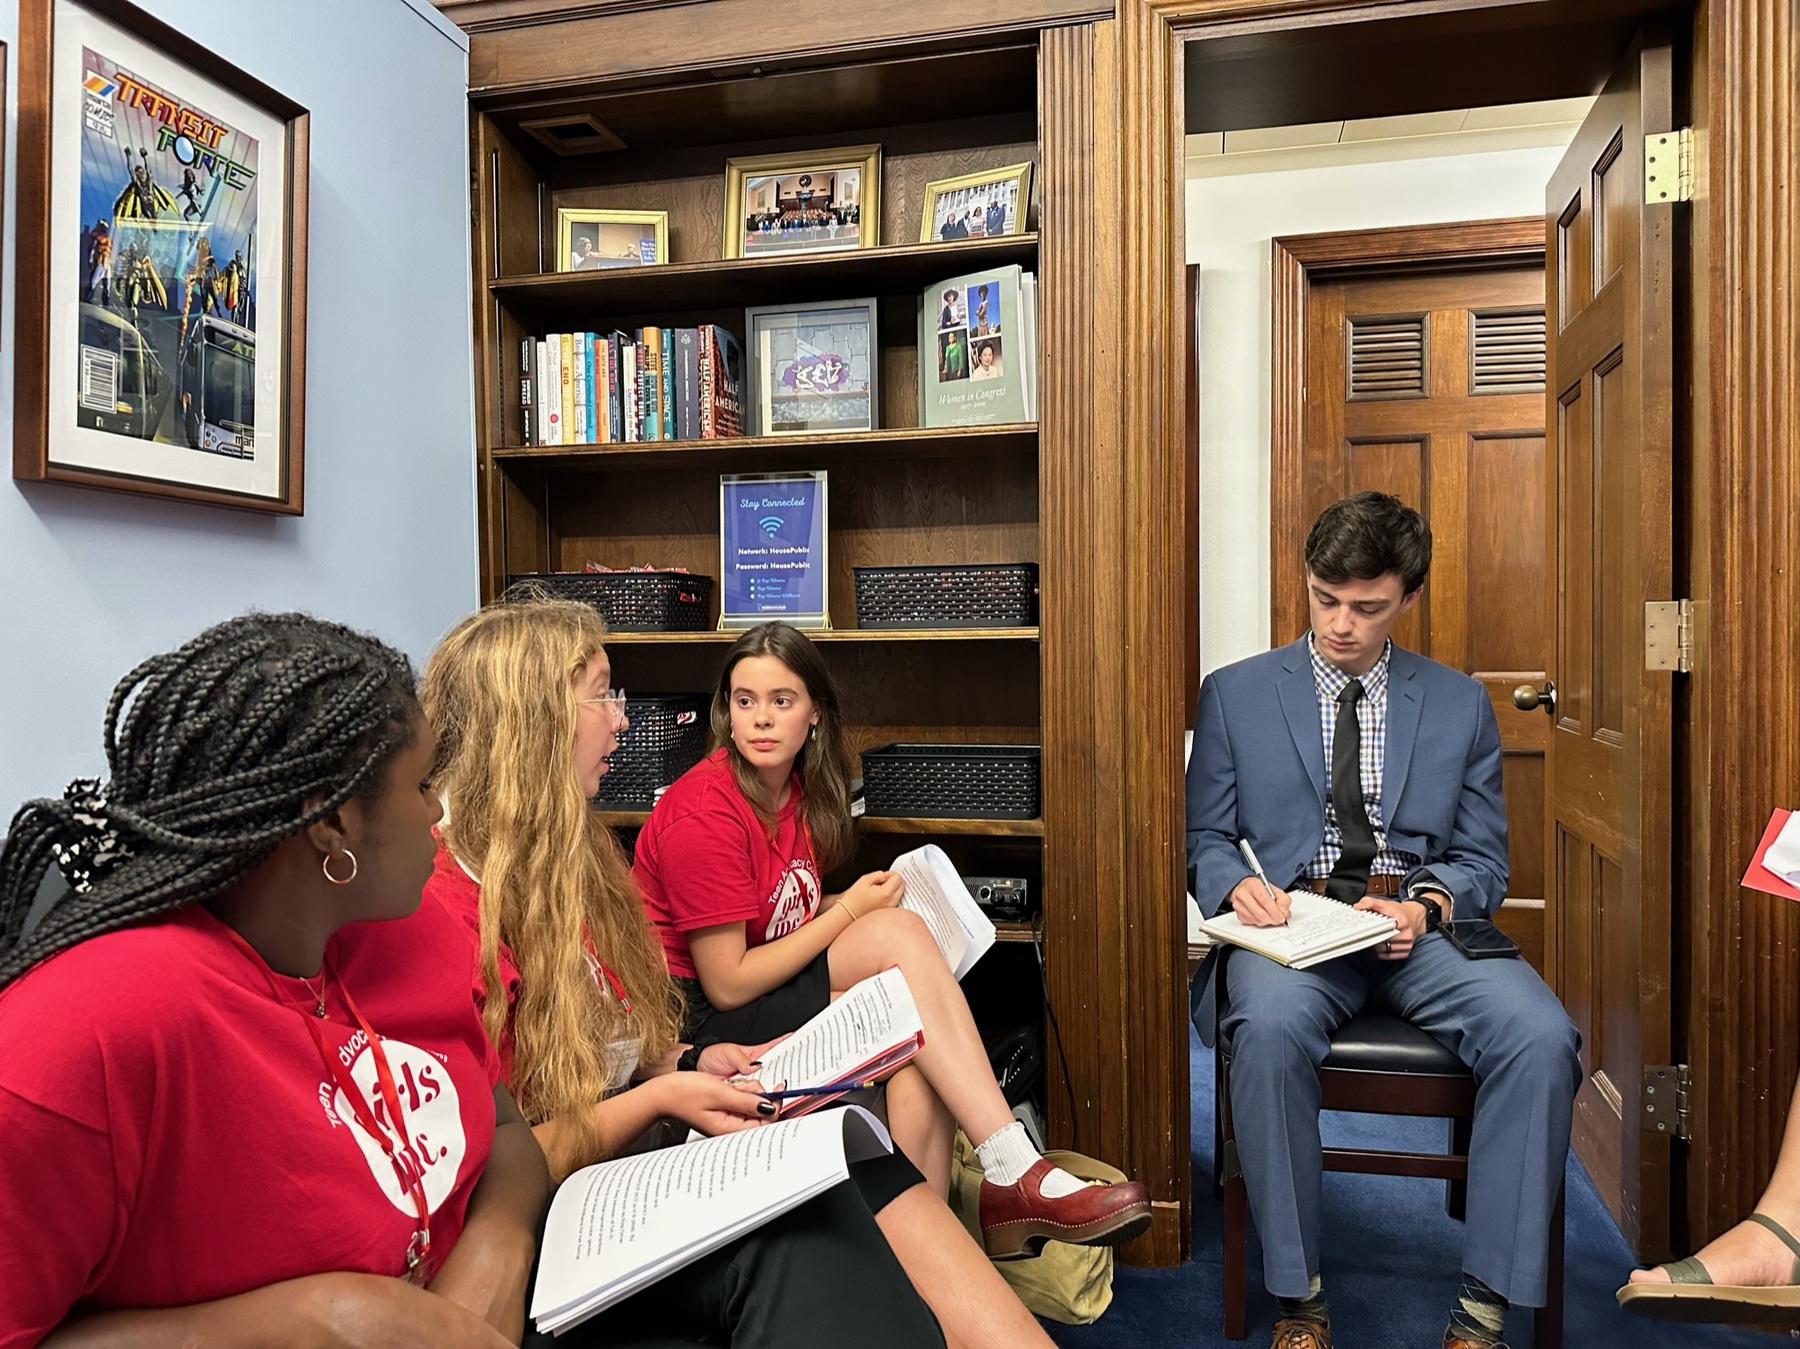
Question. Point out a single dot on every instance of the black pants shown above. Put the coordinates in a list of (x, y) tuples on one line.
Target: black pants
[(821, 1274)]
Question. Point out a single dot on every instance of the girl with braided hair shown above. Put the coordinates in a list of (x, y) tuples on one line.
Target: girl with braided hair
[(574, 988), (234, 1109)]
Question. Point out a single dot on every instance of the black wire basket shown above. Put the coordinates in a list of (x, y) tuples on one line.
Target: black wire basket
[(631, 601), (994, 782), (963, 595), (666, 737)]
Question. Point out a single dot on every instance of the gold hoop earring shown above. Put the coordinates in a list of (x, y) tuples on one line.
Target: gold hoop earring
[(325, 866)]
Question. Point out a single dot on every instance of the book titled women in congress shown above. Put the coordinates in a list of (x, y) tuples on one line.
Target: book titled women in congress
[(977, 352)]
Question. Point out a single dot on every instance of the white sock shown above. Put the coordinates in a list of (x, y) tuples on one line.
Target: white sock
[(1008, 1155)]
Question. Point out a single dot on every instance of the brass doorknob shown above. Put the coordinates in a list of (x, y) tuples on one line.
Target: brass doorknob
[(1525, 697)]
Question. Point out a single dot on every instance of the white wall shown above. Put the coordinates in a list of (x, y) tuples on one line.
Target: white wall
[(92, 581), (1230, 222)]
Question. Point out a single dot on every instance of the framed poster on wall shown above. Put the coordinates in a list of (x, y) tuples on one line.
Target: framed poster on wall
[(162, 264)]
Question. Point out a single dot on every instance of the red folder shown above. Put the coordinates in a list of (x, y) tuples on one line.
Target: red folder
[(1758, 876)]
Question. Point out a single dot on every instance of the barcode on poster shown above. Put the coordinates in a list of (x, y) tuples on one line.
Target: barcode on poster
[(99, 379)]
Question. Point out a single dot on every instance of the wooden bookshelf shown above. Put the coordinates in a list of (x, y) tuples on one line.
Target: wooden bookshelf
[(1085, 493)]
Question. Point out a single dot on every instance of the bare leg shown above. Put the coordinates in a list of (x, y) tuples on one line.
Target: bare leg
[(1749, 1255), (974, 1305), (953, 1060), (922, 1127)]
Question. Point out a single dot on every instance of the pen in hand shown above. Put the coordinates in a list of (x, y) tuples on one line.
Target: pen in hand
[(1256, 866), (829, 1089)]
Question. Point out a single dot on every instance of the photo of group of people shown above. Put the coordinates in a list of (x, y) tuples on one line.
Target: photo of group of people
[(984, 210), (802, 212), (969, 336)]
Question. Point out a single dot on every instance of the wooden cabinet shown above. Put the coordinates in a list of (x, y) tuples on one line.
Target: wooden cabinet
[(1061, 493)]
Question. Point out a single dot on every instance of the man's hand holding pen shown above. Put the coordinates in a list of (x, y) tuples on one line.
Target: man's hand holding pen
[(1259, 904)]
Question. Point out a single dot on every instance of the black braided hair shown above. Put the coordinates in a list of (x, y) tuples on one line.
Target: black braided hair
[(224, 742)]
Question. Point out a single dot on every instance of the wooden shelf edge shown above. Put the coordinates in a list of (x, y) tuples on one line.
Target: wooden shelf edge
[(884, 824), (907, 824), (597, 284), (910, 438), (834, 635)]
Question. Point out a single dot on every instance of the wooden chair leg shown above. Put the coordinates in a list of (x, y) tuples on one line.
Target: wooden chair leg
[(1230, 1179), (1237, 1240), (1548, 1323), (1456, 1192)]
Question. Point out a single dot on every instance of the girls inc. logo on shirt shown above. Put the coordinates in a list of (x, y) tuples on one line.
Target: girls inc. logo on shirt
[(795, 900), (435, 1143)]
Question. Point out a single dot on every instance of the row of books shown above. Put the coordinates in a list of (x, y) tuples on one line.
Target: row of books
[(652, 384)]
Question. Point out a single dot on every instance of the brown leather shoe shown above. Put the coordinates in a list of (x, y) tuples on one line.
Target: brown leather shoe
[(1017, 1219), (1298, 1334)]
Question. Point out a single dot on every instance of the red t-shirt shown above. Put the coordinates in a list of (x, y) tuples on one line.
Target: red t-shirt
[(173, 1135), (704, 858)]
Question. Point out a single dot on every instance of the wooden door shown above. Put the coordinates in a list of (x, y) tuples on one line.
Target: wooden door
[(1609, 288), (1431, 387)]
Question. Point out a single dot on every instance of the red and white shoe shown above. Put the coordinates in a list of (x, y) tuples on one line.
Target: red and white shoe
[(1017, 1219)]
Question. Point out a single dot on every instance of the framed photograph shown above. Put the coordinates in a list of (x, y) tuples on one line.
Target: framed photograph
[(161, 334), (774, 549), (981, 205), (590, 241), (813, 367), (818, 202)]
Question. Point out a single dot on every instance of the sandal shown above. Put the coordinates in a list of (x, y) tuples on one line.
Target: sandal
[(1691, 1295)]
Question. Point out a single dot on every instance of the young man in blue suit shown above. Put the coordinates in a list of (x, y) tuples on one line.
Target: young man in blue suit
[(1369, 774)]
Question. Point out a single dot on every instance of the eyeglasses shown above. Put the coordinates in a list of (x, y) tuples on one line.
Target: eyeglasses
[(612, 699)]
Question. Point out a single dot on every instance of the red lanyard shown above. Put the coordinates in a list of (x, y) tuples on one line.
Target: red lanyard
[(393, 1142), (616, 984)]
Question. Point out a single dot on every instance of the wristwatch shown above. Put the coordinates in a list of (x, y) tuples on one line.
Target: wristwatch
[(1434, 913)]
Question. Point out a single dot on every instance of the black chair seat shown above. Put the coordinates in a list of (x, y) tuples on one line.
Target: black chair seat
[(1374, 1042)]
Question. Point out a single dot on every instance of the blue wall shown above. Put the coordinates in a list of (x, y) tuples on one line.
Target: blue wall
[(92, 581)]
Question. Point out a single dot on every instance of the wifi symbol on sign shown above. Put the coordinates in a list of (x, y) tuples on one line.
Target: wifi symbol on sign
[(771, 525)]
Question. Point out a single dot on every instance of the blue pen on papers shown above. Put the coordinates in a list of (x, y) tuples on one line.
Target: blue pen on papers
[(829, 1089), (1256, 866)]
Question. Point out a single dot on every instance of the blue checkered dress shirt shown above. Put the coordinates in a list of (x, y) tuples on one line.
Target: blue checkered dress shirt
[(1371, 720)]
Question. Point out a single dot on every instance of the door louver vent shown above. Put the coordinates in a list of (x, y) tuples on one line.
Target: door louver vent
[(1387, 356), (1506, 351)]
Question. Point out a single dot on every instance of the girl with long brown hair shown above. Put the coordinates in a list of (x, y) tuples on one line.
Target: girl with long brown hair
[(731, 864), (572, 981)]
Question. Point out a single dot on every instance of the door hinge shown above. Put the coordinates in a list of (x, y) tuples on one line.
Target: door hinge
[(1669, 166), (1669, 635), (1665, 1100)]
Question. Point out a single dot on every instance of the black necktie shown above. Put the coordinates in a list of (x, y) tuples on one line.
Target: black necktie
[(1349, 879)]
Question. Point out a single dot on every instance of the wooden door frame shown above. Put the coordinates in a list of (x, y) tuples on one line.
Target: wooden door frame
[(1297, 262)]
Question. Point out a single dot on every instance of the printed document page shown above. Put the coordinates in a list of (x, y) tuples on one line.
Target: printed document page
[(874, 1023), (619, 1226), (935, 891)]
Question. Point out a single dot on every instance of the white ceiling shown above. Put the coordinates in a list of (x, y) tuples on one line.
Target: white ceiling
[(1460, 131)]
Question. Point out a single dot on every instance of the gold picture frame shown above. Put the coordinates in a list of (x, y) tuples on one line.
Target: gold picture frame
[(819, 201), (987, 204), (594, 240)]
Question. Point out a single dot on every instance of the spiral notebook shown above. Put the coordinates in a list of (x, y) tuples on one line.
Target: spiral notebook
[(1318, 929)]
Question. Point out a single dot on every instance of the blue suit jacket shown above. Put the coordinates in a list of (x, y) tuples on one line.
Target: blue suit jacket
[(1257, 772)]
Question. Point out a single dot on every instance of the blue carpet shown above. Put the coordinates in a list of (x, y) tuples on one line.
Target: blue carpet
[(1391, 1261)]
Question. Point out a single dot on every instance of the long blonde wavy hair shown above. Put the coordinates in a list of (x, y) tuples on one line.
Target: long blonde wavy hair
[(499, 691)]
